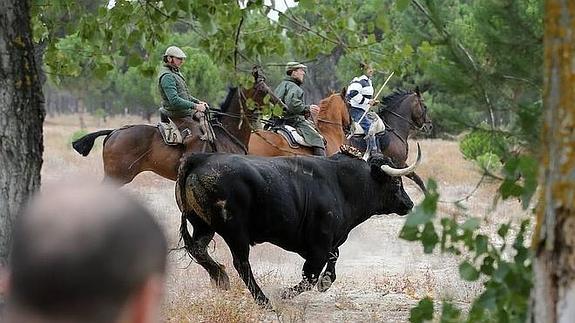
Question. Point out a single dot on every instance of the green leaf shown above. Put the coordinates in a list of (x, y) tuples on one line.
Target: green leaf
[(503, 229), (450, 314), (468, 272), (501, 272), (471, 224), (402, 4), (134, 60), (481, 242), (487, 265), (307, 4), (423, 311), (277, 111), (429, 238), (487, 300), (419, 216), (409, 233)]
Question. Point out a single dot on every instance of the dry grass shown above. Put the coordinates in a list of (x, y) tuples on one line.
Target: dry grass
[(380, 277)]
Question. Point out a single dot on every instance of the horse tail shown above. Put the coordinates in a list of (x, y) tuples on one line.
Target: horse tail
[(84, 144)]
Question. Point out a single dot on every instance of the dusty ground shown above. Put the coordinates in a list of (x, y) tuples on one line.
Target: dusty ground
[(380, 277)]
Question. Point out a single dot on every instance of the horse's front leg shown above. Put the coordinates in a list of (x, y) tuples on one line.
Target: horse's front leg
[(414, 177)]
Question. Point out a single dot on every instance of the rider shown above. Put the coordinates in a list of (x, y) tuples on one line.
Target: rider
[(359, 94), (289, 91), (177, 103)]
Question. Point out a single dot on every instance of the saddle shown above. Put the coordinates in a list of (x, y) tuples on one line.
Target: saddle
[(173, 136), (290, 134), (170, 133), (377, 126)]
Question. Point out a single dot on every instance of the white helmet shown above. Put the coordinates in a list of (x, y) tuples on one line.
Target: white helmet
[(175, 51)]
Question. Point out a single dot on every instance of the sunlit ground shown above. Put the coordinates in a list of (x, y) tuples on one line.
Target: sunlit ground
[(379, 276)]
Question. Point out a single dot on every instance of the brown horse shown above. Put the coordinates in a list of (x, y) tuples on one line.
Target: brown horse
[(402, 111), (130, 150), (333, 117)]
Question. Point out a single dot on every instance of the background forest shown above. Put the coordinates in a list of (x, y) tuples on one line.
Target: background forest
[(480, 62)]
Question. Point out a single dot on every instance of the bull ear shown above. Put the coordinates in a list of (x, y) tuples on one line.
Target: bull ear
[(417, 91)]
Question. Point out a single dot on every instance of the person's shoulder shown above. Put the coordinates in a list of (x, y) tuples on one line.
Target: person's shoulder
[(364, 81), (167, 77)]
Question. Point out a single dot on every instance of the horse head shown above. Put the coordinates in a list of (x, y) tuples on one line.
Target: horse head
[(334, 110), (403, 109), (419, 114)]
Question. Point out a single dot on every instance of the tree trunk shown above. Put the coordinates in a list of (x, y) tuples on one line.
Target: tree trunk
[(21, 116), (553, 295), (320, 82)]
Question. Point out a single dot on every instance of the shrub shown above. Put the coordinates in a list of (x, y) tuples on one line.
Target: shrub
[(480, 142), (489, 162)]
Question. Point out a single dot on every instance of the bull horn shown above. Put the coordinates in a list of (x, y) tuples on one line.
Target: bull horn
[(403, 171)]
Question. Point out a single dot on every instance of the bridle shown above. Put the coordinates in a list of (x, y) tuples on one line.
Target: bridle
[(411, 123), (260, 86)]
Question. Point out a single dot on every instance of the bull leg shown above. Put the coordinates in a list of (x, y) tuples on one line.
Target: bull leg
[(240, 254), (197, 245), (311, 270), (328, 276), (414, 177)]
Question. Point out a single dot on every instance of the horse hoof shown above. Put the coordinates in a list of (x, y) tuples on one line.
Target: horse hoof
[(324, 283)]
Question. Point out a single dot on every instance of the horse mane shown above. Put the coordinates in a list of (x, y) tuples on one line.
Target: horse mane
[(228, 101), (395, 98)]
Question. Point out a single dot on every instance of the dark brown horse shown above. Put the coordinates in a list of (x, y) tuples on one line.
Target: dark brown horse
[(332, 118), (402, 111), (130, 150)]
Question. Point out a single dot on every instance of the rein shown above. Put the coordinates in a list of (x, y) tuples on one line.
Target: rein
[(330, 122), (413, 125)]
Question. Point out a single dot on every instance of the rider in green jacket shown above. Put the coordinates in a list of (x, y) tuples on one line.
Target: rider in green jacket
[(289, 91), (177, 103)]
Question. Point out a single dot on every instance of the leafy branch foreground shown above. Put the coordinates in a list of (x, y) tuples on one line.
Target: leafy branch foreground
[(507, 280)]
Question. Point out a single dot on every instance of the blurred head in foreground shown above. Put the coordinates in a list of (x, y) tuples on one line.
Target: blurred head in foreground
[(85, 254)]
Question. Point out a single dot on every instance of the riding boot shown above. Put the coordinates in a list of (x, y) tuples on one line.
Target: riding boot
[(319, 151), (371, 144)]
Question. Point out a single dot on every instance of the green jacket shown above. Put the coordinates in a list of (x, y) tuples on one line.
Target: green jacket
[(290, 92), (176, 100)]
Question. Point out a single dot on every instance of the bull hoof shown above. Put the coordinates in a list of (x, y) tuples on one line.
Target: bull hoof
[(222, 282), (324, 283), (264, 303), (289, 293)]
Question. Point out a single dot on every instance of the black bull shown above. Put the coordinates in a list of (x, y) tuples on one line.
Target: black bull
[(306, 205)]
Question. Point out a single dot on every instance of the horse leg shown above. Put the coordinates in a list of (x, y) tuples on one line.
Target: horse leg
[(328, 276), (240, 250), (197, 244), (414, 177)]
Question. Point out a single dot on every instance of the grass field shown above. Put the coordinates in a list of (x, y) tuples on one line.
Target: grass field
[(380, 277)]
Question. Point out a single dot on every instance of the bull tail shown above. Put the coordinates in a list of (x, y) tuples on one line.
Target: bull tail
[(185, 235), (84, 144)]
